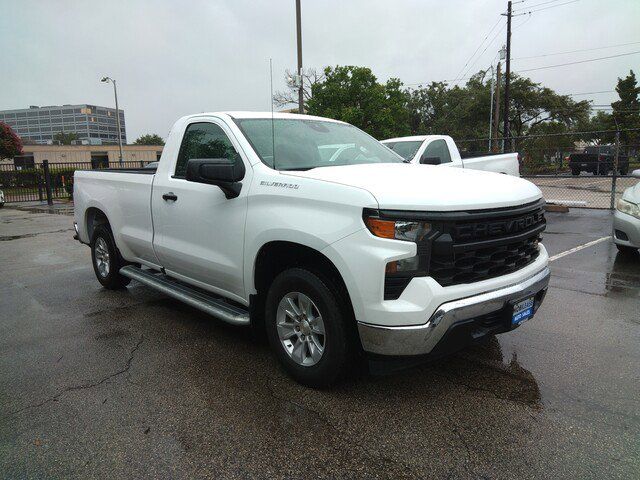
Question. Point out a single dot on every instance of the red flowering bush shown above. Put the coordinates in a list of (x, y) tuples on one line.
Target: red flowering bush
[(10, 143)]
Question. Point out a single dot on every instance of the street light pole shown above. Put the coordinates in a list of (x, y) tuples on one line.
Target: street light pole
[(299, 41), (115, 93)]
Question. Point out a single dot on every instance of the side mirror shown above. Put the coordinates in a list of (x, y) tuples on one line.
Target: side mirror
[(636, 173), (221, 172), (430, 160)]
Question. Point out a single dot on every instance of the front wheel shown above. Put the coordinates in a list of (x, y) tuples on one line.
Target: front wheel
[(306, 324), (106, 259)]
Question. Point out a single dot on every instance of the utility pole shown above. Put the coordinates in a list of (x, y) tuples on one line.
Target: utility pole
[(299, 39), (505, 133), (496, 109), (491, 109)]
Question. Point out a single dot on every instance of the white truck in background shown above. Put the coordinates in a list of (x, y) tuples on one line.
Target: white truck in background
[(442, 150), (311, 230)]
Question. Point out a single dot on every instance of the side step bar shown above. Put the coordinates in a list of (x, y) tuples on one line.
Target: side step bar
[(208, 303)]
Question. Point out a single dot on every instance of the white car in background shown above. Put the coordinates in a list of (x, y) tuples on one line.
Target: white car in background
[(1, 199), (442, 150), (626, 220)]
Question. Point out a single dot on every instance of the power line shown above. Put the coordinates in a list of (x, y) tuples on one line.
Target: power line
[(545, 8), (576, 51), (537, 4), (485, 48), (581, 61), (588, 93), (460, 73)]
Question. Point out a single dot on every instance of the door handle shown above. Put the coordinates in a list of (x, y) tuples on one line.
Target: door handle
[(170, 197)]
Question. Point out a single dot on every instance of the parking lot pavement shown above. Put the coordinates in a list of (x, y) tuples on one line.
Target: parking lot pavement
[(95, 383), (593, 190)]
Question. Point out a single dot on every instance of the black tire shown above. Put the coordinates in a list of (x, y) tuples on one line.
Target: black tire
[(624, 171), (110, 278), (338, 342), (627, 250), (575, 172)]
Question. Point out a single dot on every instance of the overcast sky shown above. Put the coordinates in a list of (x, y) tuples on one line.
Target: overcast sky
[(172, 58)]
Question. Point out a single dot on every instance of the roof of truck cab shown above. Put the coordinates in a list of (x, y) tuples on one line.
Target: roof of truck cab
[(266, 115), (415, 138)]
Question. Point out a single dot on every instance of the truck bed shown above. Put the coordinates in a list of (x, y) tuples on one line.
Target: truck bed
[(124, 195)]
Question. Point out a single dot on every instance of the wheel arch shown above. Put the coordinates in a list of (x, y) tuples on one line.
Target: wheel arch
[(93, 217), (275, 257)]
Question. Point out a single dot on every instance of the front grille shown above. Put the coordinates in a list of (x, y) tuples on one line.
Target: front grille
[(470, 246), (487, 262), (488, 245)]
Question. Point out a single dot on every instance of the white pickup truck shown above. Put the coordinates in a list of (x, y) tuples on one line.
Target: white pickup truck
[(442, 150), (310, 229)]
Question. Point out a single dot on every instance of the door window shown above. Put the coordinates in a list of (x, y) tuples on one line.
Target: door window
[(204, 140), (438, 148)]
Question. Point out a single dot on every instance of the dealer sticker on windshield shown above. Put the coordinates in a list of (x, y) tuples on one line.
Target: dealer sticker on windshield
[(522, 311)]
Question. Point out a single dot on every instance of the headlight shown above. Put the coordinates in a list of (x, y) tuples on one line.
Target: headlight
[(409, 231), (629, 208), (398, 229)]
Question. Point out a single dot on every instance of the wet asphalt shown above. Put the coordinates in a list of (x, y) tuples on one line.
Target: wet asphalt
[(131, 384)]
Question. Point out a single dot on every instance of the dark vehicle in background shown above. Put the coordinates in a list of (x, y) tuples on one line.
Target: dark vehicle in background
[(598, 160)]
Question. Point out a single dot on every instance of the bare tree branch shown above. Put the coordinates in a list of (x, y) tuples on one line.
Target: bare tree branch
[(310, 77)]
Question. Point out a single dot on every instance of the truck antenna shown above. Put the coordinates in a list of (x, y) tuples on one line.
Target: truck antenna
[(273, 131)]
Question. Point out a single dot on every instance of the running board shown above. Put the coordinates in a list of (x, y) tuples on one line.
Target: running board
[(208, 303)]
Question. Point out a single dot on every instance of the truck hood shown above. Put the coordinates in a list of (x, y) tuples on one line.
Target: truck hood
[(404, 186)]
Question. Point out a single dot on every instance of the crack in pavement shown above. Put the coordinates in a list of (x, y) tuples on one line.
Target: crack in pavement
[(74, 388), (8, 238)]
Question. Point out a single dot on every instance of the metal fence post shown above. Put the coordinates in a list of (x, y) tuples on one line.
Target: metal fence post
[(615, 171), (47, 181), (39, 180)]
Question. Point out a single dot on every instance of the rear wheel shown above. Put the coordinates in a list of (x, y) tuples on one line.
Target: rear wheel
[(306, 327), (106, 258), (575, 172)]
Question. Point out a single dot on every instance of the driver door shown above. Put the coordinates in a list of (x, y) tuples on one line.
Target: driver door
[(437, 149), (198, 232)]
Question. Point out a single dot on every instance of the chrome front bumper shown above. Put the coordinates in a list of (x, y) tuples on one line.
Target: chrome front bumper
[(422, 339)]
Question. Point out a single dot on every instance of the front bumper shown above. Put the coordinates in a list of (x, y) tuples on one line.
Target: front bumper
[(625, 225), (480, 314)]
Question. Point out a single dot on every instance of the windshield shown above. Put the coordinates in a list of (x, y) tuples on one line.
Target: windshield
[(306, 144), (406, 150)]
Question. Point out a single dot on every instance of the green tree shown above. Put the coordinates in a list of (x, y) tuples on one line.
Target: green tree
[(353, 94), (65, 138), (600, 122), (463, 111), (626, 111), (10, 143), (149, 139)]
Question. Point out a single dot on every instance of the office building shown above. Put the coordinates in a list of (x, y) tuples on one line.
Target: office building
[(94, 125)]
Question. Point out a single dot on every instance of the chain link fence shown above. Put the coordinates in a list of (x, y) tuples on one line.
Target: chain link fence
[(570, 168)]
